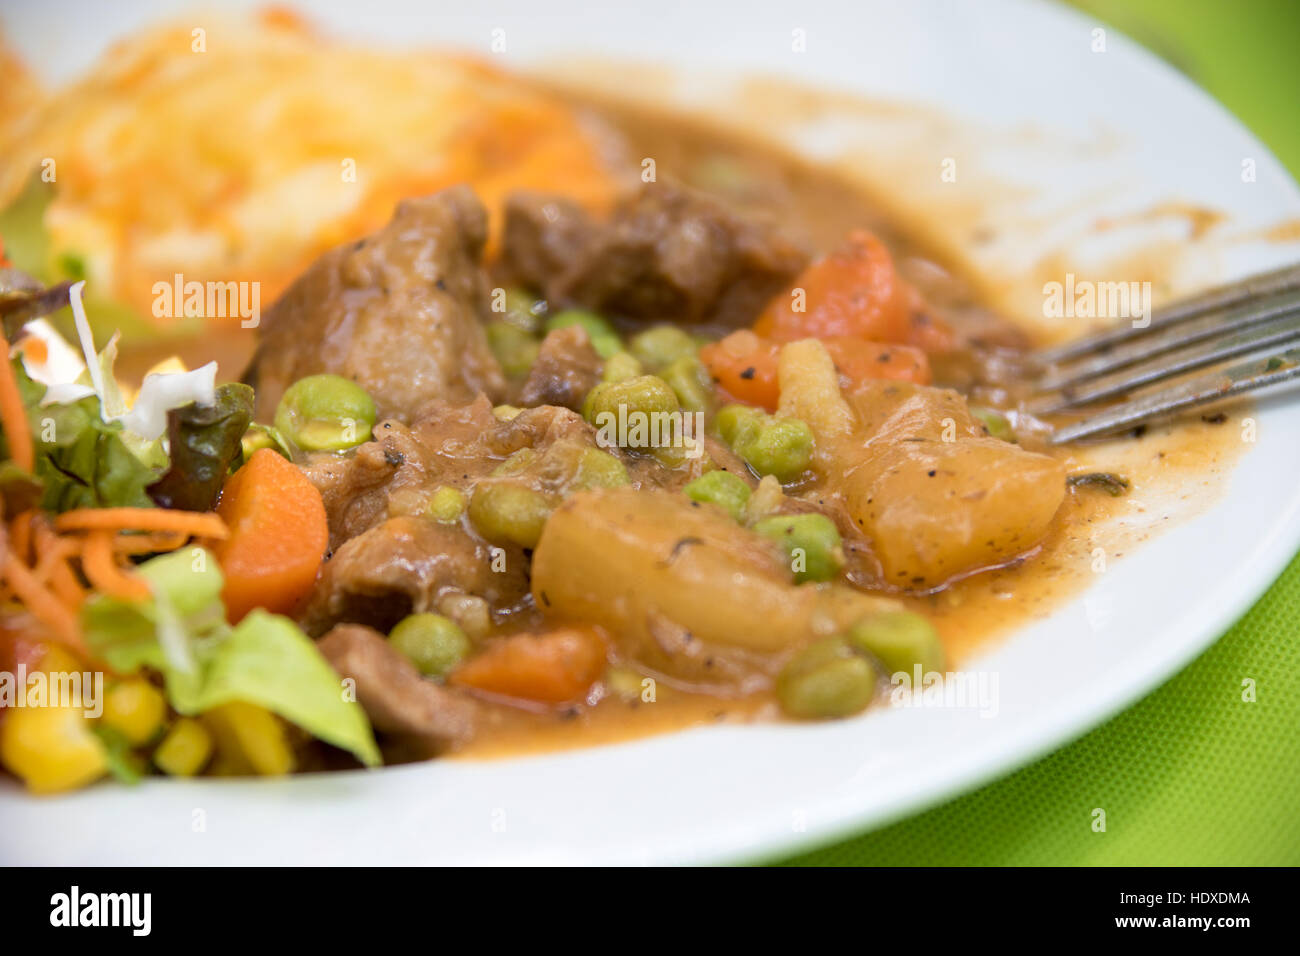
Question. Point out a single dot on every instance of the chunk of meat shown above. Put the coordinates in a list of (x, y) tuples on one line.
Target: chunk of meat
[(458, 446), (392, 692), (410, 565), (567, 368), (397, 312), (666, 253), (543, 236)]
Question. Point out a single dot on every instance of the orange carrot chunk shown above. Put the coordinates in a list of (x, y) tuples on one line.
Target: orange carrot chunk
[(854, 291), (277, 536), (744, 366), (557, 667), (860, 361)]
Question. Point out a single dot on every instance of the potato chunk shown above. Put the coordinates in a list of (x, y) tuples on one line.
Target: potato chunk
[(685, 590), (936, 496)]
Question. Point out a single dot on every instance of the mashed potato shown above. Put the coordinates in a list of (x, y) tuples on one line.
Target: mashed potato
[(246, 159)]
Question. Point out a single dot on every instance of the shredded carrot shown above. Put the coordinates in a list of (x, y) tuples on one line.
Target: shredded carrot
[(149, 543), (60, 621), (13, 417), (52, 566), (199, 524), (101, 568), (20, 536)]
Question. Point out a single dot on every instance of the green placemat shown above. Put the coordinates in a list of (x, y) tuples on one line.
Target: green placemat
[(1195, 774)]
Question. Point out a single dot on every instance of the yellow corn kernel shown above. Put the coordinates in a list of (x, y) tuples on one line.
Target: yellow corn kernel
[(58, 660), (249, 740), (135, 708), (184, 750), (51, 748)]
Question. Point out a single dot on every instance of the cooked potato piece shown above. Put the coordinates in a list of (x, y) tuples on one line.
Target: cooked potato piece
[(937, 497), (686, 590)]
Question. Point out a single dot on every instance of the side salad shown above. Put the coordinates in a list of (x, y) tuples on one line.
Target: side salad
[(152, 542)]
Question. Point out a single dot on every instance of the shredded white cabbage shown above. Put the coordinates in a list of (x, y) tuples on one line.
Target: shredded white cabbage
[(161, 392), (87, 339)]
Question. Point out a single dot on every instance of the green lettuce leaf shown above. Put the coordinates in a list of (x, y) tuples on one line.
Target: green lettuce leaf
[(81, 460), (203, 441), (266, 660)]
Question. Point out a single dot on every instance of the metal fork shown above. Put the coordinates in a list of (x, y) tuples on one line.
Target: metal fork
[(1257, 318)]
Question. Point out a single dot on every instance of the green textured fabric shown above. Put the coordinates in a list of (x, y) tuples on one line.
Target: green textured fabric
[(1193, 774)]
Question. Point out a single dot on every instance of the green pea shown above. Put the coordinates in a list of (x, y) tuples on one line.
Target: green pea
[(515, 349), (447, 504), (506, 513), (720, 488), (811, 540), (994, 422), (826, 679), (518, 462), (899, 640), (661, 346), (782, 447), (599, 469), (524, 310), (325, 413), (687, 377), (645, 393), (603, 337), (619, 367), (736, 424), (433, 643)]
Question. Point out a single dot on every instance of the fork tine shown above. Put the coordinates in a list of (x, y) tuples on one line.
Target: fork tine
[(1255, 339), (1201, 390), (1268, 284), (1186, 332)]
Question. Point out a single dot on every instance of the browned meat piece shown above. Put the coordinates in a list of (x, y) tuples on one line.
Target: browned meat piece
[(410, 565), (392, 692), (451, 445), (666, 253), (567, 368), (544, 235), (397, 312)]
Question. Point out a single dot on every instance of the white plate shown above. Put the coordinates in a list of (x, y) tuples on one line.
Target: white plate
[(735, 793)]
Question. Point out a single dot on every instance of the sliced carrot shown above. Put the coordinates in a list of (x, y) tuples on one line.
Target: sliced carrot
[(854, 291), (197, 523), (278, 535), (13, 417), (102, 570), (557, 667), (150, 542), (744, 366)]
